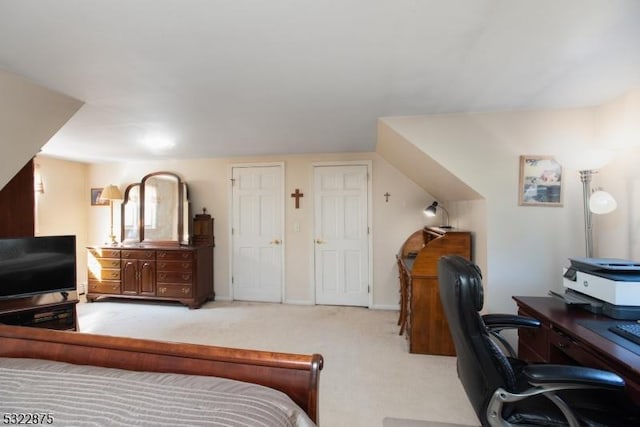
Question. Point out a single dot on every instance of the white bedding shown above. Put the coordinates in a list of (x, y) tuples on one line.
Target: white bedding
[(79, 395)]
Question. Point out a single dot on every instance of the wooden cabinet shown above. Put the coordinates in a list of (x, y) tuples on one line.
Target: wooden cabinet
[(203, 230), (424, 321), (50, 311), (181, 273), (138, 272)]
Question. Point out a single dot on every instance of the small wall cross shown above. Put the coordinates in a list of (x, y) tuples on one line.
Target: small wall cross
[(297, 196)]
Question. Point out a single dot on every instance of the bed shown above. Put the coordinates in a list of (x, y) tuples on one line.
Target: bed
[(190, 381)]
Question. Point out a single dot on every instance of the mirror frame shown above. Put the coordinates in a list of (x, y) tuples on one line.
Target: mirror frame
[(123, 209), (182, 209)]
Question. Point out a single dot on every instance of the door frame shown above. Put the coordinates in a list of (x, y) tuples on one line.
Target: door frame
[(369, 165), (282, 221)]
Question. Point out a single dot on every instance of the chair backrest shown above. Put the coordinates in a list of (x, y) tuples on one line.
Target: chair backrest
[(482, 367)]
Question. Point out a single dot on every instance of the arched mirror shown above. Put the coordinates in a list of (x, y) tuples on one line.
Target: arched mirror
[(130, 214), (156, 211)]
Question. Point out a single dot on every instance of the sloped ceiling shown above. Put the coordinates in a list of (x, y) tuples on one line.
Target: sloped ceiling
[(29, 116), (420, 168), (254, 77)]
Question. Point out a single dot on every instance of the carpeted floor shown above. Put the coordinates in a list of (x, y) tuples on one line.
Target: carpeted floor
[(400, 422), (368, 374)]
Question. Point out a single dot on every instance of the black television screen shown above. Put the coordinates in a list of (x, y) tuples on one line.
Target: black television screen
[(37, 265)]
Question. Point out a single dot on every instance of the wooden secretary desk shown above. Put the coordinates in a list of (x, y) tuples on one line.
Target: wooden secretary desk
[(422, 317)]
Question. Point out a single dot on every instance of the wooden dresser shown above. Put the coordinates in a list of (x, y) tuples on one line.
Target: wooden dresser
[(181, 273), (422, 317)]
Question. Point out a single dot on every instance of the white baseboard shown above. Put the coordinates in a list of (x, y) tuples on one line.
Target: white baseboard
[(298, 302), (222, 298)]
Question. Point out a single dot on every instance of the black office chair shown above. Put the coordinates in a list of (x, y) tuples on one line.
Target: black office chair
[(507, 392)]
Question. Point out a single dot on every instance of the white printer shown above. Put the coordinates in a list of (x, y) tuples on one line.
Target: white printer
[(605, 286)]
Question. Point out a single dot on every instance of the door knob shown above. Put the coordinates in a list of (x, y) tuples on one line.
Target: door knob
[(319, 241), (275, 242)]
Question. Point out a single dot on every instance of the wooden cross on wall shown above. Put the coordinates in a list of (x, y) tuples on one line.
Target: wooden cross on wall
[(297, 194)]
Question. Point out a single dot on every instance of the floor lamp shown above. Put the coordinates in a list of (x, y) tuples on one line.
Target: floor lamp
[(111, 193), (597, 202)]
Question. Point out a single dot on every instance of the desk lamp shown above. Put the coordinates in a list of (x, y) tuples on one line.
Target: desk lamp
[(431, 212)]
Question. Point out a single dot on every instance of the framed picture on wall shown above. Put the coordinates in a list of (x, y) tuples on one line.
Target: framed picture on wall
[(95, 198), (540, 181)]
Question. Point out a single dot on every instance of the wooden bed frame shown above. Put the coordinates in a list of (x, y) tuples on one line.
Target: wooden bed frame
[(294, 374)]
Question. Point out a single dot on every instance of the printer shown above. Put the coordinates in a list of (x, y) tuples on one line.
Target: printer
[(606, 286)]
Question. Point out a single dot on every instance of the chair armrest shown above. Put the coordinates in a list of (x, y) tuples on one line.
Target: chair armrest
[(504, 321), (576, 375)]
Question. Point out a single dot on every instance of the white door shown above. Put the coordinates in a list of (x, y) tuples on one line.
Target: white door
[(256, 234), (341, 235)]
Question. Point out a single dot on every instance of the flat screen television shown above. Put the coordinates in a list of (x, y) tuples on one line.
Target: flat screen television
[(37, 265)]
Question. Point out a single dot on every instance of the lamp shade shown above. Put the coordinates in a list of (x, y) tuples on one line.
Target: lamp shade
[(111, 192), (431, 209), (602, 202)]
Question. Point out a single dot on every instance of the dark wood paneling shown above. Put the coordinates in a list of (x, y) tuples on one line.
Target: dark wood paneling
[(17, 205)]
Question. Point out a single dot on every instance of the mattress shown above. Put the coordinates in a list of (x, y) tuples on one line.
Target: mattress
[(80, 395)]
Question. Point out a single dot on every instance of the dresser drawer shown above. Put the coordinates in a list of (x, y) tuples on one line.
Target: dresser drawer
[(105, 274), (174, 291), (174, 266), (175, 255), (104, 287), (174, 277), (105, 253), (108, 262), (138, 254)]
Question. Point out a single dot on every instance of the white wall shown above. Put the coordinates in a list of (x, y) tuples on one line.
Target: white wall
[(29, 116), (209, 187)]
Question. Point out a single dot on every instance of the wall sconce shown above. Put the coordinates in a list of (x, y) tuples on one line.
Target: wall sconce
[(597, 202), (111, 193), (431, 210)]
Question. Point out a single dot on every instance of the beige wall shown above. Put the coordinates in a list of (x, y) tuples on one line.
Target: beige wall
[(526, 247), (209, 187), (618, 234), (63, 208)]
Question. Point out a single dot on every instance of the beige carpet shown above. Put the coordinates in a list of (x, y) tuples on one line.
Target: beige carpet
[(398, 422), (368, 374)]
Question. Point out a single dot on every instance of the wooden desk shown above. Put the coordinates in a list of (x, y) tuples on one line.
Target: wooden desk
[(563, 339), (421, 313)]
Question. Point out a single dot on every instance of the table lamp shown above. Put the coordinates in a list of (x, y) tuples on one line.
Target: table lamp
[(111, 193)]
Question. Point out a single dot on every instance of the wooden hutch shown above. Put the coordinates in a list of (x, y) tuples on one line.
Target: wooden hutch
[(158, 257), (422, 317)]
